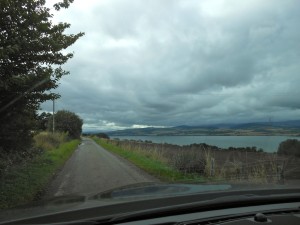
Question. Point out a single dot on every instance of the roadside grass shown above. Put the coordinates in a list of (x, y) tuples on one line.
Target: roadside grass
[(48, 141), (151, 164), (24, 183), (198, 163)]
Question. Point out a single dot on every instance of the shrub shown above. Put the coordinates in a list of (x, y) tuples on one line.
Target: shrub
[(102, 135), (289, 147)]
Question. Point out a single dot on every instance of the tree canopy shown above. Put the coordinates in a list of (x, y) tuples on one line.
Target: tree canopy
[(66, 121), (31, 56), (42, 121)]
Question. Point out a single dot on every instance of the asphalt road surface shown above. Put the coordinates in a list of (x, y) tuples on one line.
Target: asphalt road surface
[(92, 169)]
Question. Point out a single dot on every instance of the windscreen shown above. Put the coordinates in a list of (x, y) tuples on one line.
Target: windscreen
[(153, 97)]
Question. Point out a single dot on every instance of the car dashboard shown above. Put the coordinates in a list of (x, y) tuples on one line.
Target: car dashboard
[(278, 206)]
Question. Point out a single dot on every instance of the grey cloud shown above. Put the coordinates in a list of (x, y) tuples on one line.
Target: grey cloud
[(182, 62)]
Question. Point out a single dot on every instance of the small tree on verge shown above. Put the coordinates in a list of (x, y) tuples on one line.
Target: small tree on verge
[(66, 121)]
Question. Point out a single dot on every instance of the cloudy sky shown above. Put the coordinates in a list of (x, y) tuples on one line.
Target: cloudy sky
[(174, 62)]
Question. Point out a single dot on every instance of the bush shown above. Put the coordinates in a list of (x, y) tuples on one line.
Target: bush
[(102, 135), (23, 183), (289, 147), (43, 142)]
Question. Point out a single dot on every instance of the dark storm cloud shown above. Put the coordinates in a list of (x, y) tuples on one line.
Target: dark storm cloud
[(164, 63)]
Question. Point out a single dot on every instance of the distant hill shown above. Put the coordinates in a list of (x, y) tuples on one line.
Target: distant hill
[(91, 132), (284, 128), (284, 124)]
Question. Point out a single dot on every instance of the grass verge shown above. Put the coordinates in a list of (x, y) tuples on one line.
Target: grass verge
[(23, 183), (48, 141), (154, 167)]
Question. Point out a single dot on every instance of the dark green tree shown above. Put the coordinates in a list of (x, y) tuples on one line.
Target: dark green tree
[(66, 121), (30, 65), (102, 135), (42, 120), (290, 147)]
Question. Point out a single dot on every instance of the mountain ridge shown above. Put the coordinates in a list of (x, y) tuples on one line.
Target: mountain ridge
[(288, 128)]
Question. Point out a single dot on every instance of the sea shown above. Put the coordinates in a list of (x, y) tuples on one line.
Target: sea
[(267, 143)]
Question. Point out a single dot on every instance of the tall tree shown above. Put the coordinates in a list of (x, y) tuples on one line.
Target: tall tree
[(30, 65)]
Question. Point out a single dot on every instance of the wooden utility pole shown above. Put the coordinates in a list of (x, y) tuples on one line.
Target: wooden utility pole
[(53, 123)]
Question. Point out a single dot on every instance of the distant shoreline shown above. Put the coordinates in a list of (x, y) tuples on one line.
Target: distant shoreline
[(266, 143)]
